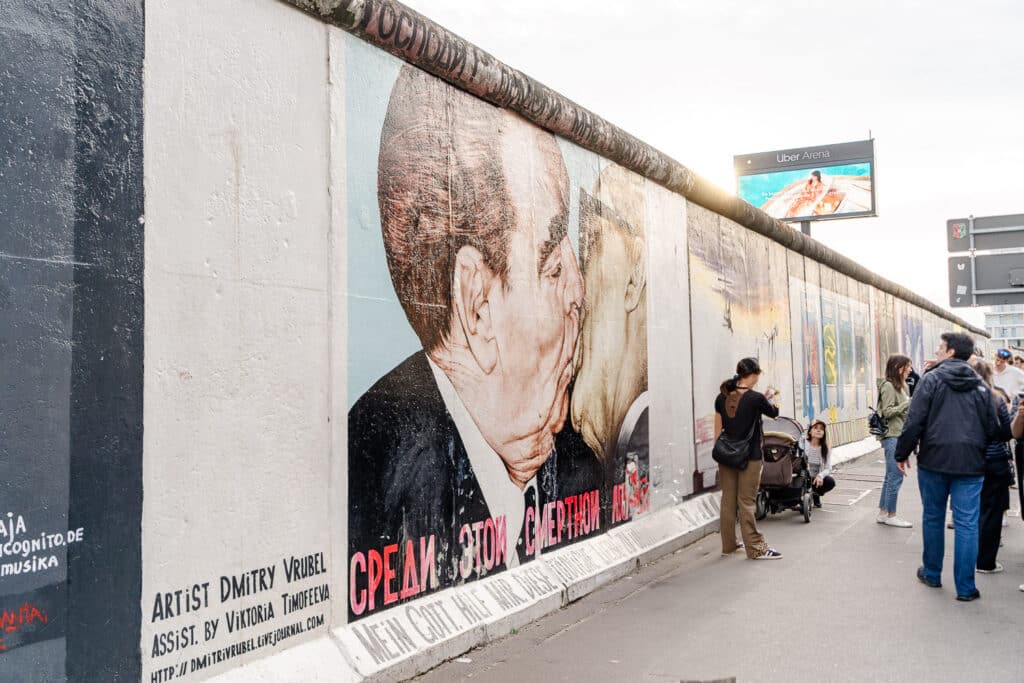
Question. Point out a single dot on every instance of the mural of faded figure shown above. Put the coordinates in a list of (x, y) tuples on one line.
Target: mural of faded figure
[(457, 457), (610, 400)]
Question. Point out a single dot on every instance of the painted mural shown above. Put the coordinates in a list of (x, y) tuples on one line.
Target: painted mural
[(887, 332), (514, 416), (739, 304), (835, 351), (913, 340)]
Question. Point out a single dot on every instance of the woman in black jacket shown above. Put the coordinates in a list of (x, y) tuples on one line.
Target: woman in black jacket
[(738, 411), (995, 491)]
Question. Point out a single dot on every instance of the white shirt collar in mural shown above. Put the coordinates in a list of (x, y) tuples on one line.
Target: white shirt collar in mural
[(501, 495)]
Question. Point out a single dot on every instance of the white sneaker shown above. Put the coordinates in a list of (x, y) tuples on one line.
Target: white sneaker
[(881, 518), (897, 522), (998, 568)]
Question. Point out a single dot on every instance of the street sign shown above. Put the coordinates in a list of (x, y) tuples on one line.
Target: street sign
[(985, 233), (960, 288), (986, 279)]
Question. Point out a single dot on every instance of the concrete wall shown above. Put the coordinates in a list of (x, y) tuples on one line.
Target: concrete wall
[(416, 370), (71, 325)]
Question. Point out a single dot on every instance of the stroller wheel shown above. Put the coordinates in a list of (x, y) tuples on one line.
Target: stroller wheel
[(761, 505), (806, 506)]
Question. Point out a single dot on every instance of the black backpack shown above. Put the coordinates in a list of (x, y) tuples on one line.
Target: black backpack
[(877, 425)]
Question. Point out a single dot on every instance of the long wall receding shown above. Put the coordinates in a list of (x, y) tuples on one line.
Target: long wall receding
[(425, 350)]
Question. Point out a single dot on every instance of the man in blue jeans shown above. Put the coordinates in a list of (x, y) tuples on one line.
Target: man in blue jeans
[(953, 418)]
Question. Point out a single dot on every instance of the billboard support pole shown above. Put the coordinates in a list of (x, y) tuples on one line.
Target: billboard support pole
[(974, 275), (805, 227)]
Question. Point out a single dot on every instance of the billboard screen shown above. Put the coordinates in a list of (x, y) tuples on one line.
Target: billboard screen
[(810, 183)]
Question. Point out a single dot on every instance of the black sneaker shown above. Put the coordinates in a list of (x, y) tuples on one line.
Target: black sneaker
[(928, 582), (770, 554), (970, 596)]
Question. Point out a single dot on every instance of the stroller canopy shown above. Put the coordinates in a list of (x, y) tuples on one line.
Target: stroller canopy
[(784, 428)]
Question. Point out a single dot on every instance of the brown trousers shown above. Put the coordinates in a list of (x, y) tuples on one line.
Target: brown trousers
[(739, 489)]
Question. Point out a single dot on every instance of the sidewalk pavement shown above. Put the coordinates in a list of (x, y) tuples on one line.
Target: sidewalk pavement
[(842, 605)]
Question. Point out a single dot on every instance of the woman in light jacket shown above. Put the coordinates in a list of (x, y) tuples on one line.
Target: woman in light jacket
[(893, 405)]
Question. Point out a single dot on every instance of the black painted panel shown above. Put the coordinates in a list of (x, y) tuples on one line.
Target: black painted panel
[(71, 338)]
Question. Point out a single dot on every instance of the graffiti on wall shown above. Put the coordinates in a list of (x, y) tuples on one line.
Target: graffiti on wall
[(739, 303), (217, 619), (513, 416), (913, 340), (886, 328), (836, 351)]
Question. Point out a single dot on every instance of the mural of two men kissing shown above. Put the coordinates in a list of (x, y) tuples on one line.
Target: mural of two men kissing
[(462, 458)]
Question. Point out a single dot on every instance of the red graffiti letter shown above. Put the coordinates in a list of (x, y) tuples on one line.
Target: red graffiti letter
[(390, 596), (374, 573), (410, 585), (356, 598)]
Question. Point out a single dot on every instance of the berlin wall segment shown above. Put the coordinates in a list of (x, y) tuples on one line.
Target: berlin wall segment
[(502, 448), (71, 208)]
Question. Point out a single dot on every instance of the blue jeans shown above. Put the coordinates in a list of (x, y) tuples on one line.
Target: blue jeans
[(893, 477), (964, 494)]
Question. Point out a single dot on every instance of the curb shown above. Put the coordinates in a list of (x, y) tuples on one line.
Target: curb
[(411, 639)]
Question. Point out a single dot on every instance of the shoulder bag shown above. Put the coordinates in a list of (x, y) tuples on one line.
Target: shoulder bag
[(733, 452), (877, 425)]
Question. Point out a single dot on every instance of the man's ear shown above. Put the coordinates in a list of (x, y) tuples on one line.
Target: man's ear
[(635, 288), (471, 283)]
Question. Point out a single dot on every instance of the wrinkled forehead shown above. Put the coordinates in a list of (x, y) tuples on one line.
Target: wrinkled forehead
[(536, 178)]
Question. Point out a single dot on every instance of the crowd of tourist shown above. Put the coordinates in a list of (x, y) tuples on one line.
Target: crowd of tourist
[(962, 416)]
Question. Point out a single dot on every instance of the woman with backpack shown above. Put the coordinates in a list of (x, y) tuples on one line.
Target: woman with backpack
[(738, 411), (893, 405)]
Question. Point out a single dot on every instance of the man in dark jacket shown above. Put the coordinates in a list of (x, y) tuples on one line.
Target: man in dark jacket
[(953, 419), (912, 379)]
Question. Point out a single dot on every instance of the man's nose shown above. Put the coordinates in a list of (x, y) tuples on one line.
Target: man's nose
[(574, 279)]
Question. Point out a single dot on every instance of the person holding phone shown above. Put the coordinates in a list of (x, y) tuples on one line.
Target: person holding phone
[(893, 405), (738, 410)]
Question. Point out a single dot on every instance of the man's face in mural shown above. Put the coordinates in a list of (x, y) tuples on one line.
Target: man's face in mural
[(611, 359), (521, 332), (537, 315)]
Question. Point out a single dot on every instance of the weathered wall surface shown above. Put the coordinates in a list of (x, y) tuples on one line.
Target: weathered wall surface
[(71, 325), (238, 443), (418, 368)]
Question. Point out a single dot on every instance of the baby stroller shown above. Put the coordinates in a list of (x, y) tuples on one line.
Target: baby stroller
[(785, 478)]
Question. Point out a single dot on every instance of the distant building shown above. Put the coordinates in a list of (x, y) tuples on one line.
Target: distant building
[(1006, 325)]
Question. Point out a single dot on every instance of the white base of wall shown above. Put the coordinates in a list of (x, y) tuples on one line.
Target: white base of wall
[(402, 642), (852, 451)]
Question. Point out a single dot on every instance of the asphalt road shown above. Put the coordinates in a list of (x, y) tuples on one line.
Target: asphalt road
[(842, 605)]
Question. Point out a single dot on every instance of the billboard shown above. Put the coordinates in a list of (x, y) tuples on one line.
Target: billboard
[(810, 183)]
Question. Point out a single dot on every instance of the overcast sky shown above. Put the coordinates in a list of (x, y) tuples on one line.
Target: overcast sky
[(939, 85)]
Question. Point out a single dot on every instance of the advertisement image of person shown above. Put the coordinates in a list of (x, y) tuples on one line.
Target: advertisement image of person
[(609, 402), (455, 452)]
